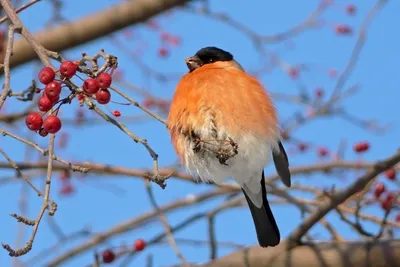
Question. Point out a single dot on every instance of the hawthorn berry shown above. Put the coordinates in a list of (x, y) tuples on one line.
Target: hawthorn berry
[(169, 38), (379, 190), (116, 113), (390, 196), (103, 96), (52, 124), (398, 218), (46, 75), (104, 80), (163, 52), (294, 72), (332, 73), (343, 29), (67, 189), (45, 104), (140, 244), (322, 151), (65, 175), (68, 69), (34, 121), (108, 256), (390, 174), (91, 86), (302, 147), (148, 102), (80, 116), (319, 92), (284, 135), (351, 9), (53, 90), (163, 105), (387, 203), (63, 140), (361, 147)]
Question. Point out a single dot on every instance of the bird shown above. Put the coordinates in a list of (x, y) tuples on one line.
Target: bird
[(223, 124)]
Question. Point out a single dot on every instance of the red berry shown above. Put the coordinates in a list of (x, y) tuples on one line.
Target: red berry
[(108, 256), (103, 96), (140, 244), (389, 196), (67, 189), (116, 113), (322, 151), (55, 100), (46, 75), (379, 189), (45, 104), (80, 116), (91, 86), (153, 24), (53, 90), (302, 147), (104, 80), (284, 135), (65, 175), (68, 69), (388, 202), (148, 102), (294, 72), (332, 73), (163, 105), (361, 147), (351, 9), (163, 52), (398, 218), (343, 29), (80, 97), (62, 142), (52, 124), (319, 92), (34, 121), (390, 174)]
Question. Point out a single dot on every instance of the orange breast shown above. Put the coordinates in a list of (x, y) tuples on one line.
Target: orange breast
[(237, 101)]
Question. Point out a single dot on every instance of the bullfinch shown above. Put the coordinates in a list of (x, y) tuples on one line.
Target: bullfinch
[(223, 124)]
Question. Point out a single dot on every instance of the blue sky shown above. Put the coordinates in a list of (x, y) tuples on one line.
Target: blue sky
[(95, 202)]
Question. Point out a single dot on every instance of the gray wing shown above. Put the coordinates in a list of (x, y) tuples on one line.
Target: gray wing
[(282, 164)]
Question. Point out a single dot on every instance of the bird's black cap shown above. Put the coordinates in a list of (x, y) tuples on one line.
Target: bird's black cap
[(212, 54)]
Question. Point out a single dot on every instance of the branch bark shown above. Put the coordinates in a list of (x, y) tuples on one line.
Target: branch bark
[(329, 254), (341, 196), (94, 26)]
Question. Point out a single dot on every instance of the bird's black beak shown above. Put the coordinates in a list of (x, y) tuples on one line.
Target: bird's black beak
[(193, 63)]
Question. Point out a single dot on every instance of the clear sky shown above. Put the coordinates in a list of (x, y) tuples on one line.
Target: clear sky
[(103, 202)]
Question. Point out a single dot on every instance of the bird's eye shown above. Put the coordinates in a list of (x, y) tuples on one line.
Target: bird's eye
[(211, 60)]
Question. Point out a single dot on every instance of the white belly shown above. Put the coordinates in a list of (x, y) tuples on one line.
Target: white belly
[(253, 155)]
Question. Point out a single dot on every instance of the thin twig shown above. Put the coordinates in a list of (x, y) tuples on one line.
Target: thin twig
[(21, 8), (7, 74), (339, 197), (166, 225)]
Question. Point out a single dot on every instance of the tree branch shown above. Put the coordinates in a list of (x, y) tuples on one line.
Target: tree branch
[(338, 254), (94, 26), (339, 197)]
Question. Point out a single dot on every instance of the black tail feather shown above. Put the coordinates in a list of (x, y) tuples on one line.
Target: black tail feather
[(267, 230)]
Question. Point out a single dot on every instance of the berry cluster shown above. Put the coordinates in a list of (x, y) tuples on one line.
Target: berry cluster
[(92, 87), (109, 255), (380, 188)]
